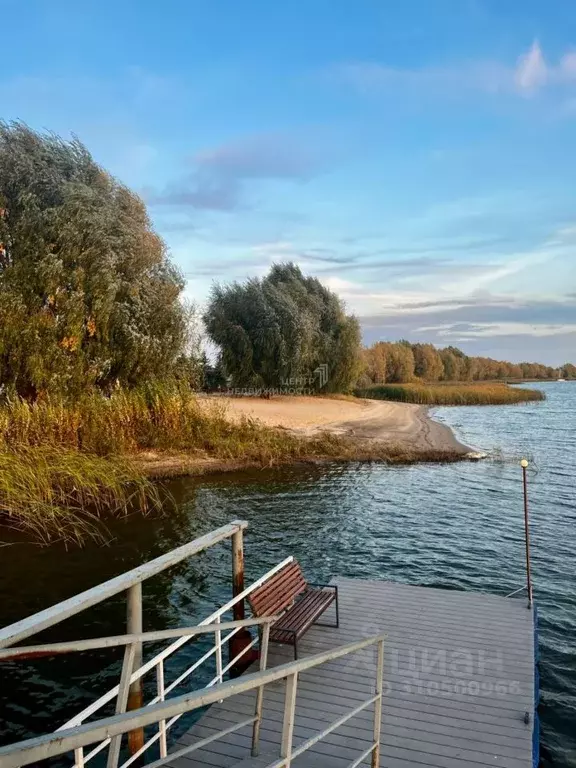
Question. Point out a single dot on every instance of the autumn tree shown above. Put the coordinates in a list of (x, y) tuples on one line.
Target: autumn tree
[(374, 359), (399, 363), (427, 362)]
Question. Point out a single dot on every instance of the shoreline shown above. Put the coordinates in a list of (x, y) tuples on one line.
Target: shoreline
[(370, 430)]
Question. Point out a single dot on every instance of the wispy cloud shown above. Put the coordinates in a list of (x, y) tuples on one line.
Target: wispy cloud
[(530, 74), (218, 177), (532, 71)]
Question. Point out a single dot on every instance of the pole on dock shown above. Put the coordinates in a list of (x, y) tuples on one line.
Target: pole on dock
[(238, 573), (134, 626), (524, 465), (243, 638)]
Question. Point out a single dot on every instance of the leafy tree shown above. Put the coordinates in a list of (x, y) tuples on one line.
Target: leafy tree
[(374, 361), (283, 327), (87, 293), (399, 363), (427, 362)]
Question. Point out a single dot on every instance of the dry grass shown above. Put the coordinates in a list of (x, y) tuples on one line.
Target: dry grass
[(452, 394), (62, 494), (64, 466)]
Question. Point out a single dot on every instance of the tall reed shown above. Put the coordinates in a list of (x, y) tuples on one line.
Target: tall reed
[(63, 494), (452, 394)]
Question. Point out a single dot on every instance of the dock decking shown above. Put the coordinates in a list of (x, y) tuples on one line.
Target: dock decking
[(458, 683)]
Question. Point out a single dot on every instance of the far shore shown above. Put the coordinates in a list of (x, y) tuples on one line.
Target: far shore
[(366, 425)]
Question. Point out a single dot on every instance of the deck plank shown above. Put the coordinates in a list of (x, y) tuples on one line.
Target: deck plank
[(459, 677)]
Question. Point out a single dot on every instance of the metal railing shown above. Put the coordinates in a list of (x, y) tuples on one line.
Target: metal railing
[(128, 693), (111, 729)]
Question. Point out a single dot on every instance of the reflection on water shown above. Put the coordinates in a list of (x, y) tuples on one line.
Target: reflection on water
[(456, 526)]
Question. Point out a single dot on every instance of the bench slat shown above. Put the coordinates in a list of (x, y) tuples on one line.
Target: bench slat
[(279, 592), (301, 616)]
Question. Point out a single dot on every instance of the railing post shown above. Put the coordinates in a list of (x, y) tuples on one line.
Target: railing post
[(121, 701), (160, 689), (218, 643), (134, 626), (260, 693), (378, 705), (289, 715)]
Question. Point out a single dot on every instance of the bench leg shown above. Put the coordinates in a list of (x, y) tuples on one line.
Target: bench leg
[(336, 626)]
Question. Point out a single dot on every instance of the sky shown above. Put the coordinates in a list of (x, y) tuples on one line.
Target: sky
[(418, 156)]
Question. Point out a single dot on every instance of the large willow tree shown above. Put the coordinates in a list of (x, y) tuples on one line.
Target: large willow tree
[(284, 327), (88, 296)]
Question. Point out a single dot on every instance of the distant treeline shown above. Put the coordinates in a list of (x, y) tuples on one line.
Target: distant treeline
[(401, 362)]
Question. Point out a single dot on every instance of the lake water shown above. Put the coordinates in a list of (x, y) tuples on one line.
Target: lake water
[(454, 526)]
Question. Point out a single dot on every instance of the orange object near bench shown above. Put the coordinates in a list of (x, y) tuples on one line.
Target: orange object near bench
[(299, 602)]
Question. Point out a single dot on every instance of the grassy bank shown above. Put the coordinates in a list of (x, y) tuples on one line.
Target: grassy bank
[(452, 394), (65, 466), (63, 494)]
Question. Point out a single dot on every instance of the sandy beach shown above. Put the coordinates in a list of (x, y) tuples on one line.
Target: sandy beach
[(394, 423), (369, 424)]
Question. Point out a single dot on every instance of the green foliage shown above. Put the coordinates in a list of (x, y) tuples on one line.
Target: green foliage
[(282, 328), (88, 296), (452, 394)]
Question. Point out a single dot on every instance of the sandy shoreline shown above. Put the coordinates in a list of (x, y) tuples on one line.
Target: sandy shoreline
[(374, 420), (367, 424)]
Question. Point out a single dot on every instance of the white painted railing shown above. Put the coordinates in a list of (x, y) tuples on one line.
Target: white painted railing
[(128, 693), (111, 729)]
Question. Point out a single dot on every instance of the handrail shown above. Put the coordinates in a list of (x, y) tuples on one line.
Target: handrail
[(141, 671), (114, 641), (133, 668), (55, 744), (20, 630)]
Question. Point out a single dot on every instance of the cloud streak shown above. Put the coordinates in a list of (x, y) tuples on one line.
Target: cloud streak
[(218, 177)]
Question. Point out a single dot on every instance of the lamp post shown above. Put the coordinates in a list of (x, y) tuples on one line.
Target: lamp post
[(524, 465)]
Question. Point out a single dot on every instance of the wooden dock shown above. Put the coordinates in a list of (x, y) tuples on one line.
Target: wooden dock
[(459, 686)]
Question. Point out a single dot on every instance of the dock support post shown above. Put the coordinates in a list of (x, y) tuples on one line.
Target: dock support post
[(238, 573), (134, 626)]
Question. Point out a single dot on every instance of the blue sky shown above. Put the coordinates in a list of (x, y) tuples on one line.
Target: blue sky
[(417, 156)]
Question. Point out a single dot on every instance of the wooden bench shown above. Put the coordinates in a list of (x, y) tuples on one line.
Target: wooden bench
[(300, 604)]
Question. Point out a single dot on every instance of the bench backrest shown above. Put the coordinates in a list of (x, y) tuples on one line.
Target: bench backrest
[(279, 591)]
